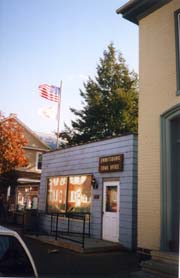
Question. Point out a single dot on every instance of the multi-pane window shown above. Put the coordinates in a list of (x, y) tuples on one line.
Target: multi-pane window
[(69, 194), (177, 33)]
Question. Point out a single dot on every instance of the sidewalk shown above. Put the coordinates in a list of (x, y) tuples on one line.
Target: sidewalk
[(91, 245), (99, 259), (53, 261), (94, 246)]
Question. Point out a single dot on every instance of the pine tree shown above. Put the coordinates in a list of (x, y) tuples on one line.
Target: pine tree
[(110, 102)]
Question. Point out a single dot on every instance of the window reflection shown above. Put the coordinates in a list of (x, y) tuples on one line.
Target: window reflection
[(69, 194), (57, 187), (27, 197), (111, 199), (79, 194)]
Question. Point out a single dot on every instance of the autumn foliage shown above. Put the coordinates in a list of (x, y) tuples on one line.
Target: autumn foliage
[(12, 141)]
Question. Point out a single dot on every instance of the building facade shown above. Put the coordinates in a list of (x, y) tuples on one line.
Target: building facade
[(25, 193), (99, 178), (159, 122)]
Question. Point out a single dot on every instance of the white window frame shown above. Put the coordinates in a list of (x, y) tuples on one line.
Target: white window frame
[(37, 161)]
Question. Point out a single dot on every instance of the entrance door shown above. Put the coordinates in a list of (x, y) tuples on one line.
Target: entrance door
[(111, 211)]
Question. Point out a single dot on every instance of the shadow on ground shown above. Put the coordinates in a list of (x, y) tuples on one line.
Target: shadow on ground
[(59, 262)]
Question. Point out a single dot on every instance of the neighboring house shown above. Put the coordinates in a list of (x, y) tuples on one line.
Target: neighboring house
[(28, 178), (159, 122)]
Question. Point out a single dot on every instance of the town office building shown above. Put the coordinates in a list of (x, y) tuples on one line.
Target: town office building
[(99, 178)]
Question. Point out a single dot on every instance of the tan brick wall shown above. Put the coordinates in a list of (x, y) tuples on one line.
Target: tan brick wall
[(157, 94)]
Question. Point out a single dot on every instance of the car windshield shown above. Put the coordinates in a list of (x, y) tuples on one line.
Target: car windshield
[(13, 258)]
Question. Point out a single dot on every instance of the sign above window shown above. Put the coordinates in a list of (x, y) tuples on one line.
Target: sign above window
[(113, 163)]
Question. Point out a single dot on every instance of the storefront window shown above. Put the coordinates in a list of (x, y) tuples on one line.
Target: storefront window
[(57, 190), (78, 189), (79, 194)]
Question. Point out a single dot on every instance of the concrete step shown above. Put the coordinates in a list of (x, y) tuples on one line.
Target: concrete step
[(167, 257), (160, 268)]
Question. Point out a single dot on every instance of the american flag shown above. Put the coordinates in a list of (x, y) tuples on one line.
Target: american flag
[(49, 92)]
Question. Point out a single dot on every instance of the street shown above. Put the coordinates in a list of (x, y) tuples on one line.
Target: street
[(59, 262)]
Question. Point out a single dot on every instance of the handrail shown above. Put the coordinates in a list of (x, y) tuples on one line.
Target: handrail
[(71, 216), (57, 228)]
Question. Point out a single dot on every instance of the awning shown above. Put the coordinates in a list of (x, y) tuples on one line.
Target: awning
[(27, 181)]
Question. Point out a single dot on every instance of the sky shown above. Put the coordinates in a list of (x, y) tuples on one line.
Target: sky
[(46, 41)]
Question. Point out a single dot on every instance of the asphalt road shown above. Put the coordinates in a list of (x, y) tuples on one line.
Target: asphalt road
[(58, 262)]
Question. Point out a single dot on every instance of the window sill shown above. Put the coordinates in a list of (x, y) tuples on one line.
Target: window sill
[(38, 170)]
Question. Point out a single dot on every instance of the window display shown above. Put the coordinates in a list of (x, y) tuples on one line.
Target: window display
[(57, 189), (79, 193), (69, 194)]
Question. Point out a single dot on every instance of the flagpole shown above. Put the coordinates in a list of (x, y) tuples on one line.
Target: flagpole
[(58, 114)]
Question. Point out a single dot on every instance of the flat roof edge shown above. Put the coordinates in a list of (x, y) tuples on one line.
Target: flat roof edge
[(94, 141)]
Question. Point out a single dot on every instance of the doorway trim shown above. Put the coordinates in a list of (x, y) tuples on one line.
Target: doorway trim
[(166, 204), (105, 184)]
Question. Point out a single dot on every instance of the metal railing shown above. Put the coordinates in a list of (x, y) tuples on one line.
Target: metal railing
[(69, 232), (71, 226)]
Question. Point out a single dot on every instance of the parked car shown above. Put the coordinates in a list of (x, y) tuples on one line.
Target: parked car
[(15, 258)]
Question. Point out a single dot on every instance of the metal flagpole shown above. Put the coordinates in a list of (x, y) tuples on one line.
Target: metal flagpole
[(58, 114)]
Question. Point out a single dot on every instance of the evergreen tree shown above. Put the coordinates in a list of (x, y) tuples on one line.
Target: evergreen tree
[(110, 102)]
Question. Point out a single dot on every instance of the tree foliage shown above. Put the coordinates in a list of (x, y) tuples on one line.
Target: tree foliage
[(12, 141), (110, 105)]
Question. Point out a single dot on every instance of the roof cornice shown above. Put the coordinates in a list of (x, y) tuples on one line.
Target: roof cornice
[(134, 10)]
